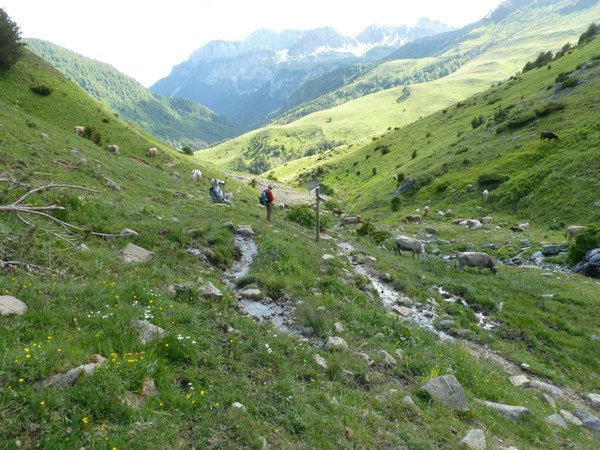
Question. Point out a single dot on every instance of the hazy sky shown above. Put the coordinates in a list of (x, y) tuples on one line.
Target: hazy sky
[(146, 38)]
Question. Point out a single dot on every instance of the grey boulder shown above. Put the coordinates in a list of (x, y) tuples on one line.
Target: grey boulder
[(12, 306), (447, 390)]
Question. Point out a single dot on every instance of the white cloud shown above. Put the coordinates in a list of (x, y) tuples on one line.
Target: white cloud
[(144, 39)]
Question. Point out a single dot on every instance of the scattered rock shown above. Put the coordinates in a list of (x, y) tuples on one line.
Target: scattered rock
[(133, 253), (208, 290), (549, 400), (68, 379), (148, 332), (338, 327), (82, 248), (409, 402), (12, 306), (447, 390), (111, 184), (593, 400), (399, 353), (251, 293), (245, 230), (556, 419), (491, 246), (512, 412), (525, 366), (552, 249), (328, 257), (589, 421), (321, 362), (590, 264), (229, 224), (45, 136), (444, 324), (126, 232), (404, 301), (402, 310), (178, 288), (519, 381), (386, 277), (336, 343), (238, 405), (571, 418), (366, 358), (545, 387), (388, 359), (77, 153), (474, 439)]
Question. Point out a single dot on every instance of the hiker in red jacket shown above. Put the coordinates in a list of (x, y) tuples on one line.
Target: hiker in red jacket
[(270, 200)]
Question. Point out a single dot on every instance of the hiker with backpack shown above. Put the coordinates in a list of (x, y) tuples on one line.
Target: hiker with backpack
[(267, 198)]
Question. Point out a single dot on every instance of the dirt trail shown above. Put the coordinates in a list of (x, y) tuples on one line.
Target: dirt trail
[(283, 193)]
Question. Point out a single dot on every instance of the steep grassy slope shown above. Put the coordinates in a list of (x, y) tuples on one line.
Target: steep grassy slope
[(504, 155), (212, 354), (176, 121), (489, 53)]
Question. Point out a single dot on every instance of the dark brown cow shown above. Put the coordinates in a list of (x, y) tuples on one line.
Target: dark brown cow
[(547, 135)]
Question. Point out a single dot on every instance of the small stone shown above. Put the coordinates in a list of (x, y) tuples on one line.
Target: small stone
[(519, 381), (549, 400), (251, 293), (348, 375), (571, 418), (409, 402), (593, 400), (208, 290), (525, 367), (447, 390), (245, 230), (328, 257), (238, 405), (77, 153), (336, 343), (45, 136), (12, 306), (132, 253), (399, 353), (388, 359), (512, 412), (590, 421), (474, 439), (229, 224), (338, 327), (321, 362), (551, 249), (126, 232), (404, 301), (556, 419), (548, 388), (366, 358), (402, 310), (111, 184), (148, 331), (386, 277), (82, 248), (175, 289), (149, 388)]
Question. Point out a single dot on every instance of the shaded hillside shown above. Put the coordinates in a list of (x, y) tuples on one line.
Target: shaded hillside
[(177, 121), (490, 141)]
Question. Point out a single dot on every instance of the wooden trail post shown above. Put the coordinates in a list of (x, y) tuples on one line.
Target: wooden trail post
[(318, 218)]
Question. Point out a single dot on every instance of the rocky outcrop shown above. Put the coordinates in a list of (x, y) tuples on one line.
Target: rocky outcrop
[(447, 390), (134, 254), (68, 378), (590, 264), (11, 306), (515, 413)]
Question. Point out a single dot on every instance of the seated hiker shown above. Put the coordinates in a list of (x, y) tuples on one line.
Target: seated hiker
[(217, 193)]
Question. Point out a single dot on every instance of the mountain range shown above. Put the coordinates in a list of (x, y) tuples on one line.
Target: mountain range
[(248, 80)]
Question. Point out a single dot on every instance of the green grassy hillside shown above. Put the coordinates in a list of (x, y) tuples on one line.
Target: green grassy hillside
[(504, 154), (179, 391), (488, 53), (176, 121)]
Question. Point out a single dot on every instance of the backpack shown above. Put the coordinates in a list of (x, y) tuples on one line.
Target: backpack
[(212, 191), (262, 198)]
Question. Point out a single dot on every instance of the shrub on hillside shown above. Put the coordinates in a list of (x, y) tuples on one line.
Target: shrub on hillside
[(477, 121), (396, 203), (549, 108), (42, 90), (584, 242), (571, 82), (589, 34), (367, 229), (326, 189), (516, 122), (91, 133), (542, 59), (11, 49), (186, 149), (414, 154), (490, 180), (305, 216)]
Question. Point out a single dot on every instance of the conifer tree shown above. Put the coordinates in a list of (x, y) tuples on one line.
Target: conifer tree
[(11, 48)]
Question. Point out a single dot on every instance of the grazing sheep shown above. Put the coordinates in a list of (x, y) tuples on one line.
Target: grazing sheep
[(517, 229), (476, 259), (458, 221), (112, 149), (395, 177), (485, 195), (425, 211), (471, 224), (402, 242), (352, 220), (572, 230), (412, 219), (439, 213), (449, 212), (152, 151), (337, 212), (485, 220), (79, 129), (196, 175), (430, 230), (524, 225), (281, 206)]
